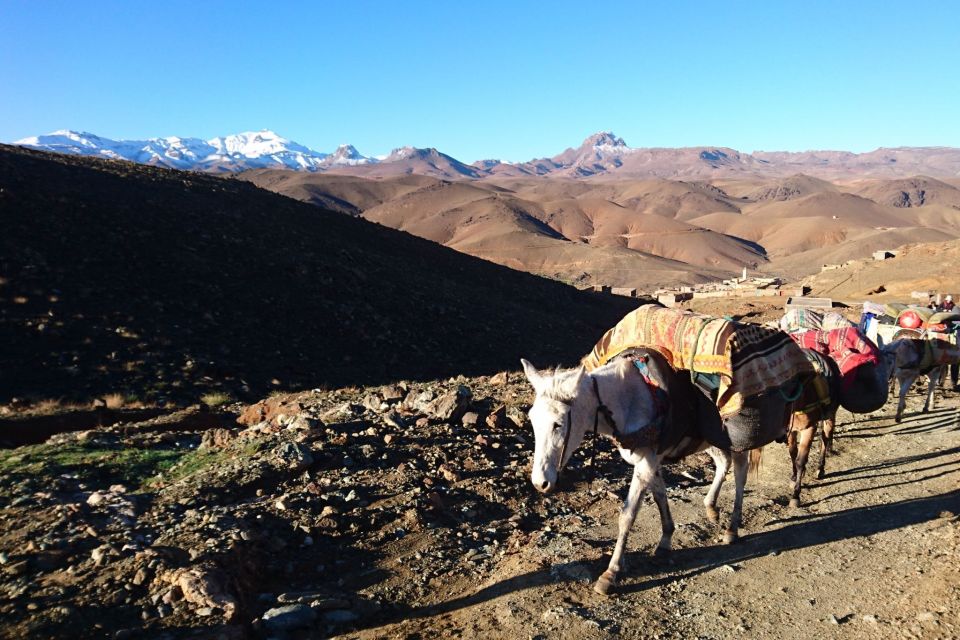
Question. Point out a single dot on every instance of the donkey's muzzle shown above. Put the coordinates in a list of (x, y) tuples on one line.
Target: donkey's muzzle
[(544, 486)]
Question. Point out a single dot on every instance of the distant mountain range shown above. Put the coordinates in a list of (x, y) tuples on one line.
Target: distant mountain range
[(602, 155)]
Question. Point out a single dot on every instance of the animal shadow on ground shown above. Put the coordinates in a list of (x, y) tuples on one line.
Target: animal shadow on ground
[(805, 531), (917, 423)]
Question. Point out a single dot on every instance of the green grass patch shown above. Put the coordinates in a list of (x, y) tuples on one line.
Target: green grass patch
[(95, 465), (199, 460), (99, 466)]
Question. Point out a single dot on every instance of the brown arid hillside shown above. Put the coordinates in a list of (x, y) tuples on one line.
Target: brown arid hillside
[(917, 191), (829, 226), (803, 263), (917, 267), (523, 234), (880, 163), (790, 188), (411, 160), (346, 194), (123, 278), (619, 234), (646, 233)]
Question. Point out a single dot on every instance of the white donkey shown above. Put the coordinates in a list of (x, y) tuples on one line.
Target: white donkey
[(618, 403), (910, 358)]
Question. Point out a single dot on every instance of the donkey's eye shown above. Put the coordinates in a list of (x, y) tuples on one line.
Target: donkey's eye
[(557, 425)]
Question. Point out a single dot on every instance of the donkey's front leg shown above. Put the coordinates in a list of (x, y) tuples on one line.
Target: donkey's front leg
[(721, 464), (933, 379), (906, 380), (740, 461), (659, 488), (644, 472)]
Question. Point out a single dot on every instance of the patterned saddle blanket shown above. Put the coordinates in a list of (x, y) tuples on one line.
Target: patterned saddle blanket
[(749, 359), (848, 347), (810, 319)]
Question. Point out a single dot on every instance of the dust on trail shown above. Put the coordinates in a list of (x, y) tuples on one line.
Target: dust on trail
[(872, 553)]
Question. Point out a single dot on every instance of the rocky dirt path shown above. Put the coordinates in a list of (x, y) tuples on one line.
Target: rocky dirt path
[(873, 553), (406, 511)]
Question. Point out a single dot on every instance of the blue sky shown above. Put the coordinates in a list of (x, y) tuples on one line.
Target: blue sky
[(513, 80)]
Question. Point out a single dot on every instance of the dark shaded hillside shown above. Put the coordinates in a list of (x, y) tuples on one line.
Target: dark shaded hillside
[(117, 277)]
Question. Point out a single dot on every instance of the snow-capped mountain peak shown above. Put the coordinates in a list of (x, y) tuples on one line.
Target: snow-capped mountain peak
[(237, 152), (401, 153), (606, 142), (604, 139), (347, 154)]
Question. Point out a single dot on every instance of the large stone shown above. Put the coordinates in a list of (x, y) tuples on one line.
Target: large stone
[(499, 378), (470, 419), (498, 419), (293, 455), (215, 439), (269, 409), (204, 585), (96, 498), (419, 402), (289, 617), (372, 401), (392, 393), (451, 406)]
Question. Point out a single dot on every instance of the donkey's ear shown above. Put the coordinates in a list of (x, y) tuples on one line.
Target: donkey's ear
[(571, 382), (532, 374)]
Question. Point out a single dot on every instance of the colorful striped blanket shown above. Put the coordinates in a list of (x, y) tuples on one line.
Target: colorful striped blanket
[(847, 347), (807, 319), (748, 358)]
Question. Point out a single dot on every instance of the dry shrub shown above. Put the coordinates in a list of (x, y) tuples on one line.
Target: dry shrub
[(115, 400)]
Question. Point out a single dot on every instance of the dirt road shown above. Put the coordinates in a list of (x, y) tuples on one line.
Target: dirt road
[(872, 553), (390, 513)]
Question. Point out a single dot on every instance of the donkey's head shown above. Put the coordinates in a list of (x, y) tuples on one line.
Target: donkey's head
[(556, 427)]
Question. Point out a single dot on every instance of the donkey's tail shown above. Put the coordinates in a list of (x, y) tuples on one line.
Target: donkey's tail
[(754, 466)]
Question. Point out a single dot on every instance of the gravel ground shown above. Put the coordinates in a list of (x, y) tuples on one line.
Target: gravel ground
[(406, 511)]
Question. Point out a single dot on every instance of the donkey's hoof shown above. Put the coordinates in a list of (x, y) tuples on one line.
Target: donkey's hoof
[(794, 503), (713, 515), (897, 419), (661, 552), (730, 537), (603, 585), (820, 474)]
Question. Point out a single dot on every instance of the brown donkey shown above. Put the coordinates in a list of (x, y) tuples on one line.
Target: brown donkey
[(817, 404)]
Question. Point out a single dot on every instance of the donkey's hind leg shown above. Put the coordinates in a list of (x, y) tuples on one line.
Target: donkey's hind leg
[(659, 489), (826, 442), (644, 472), (721, 464), (740, 461), (804, 440), (792, 449)]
